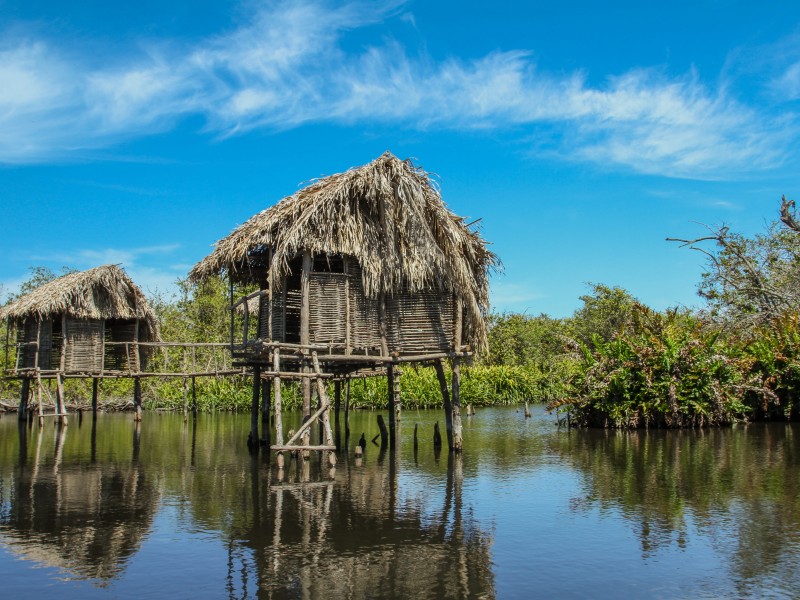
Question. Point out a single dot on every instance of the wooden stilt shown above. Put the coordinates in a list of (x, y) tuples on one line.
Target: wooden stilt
[(39, 388), (137, 399), (306, 387), (448, 409), (383, 432), (60, 399), (456, 392), (416, 442), (185, 400), (437, 437), (276, 383), (266, 400), (305, 336), (325, 408), (337, 404), (95, 391), (390, 381), (22, 412), (194, 398), (347, 412), (455, 387), (252, 440), (60, 407)]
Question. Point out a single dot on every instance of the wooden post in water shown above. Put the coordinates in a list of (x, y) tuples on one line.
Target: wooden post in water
[(455, 388), (456, 392), (137, 398), (60, 400), (95, 393), (185, 400), (252, 440), (347, 412), (448, 410), (194, 398), (266, 400), (22, 411), (337, 404), (276, 383), (61, 408), (390, 382), (383, 433)]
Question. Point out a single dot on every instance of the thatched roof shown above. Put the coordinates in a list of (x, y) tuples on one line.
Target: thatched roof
[(389, 215), (101, 293)]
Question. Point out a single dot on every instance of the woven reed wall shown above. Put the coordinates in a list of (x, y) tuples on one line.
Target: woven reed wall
[(84, 347), (364, 329), (278, 317), (328, 308), (263, 317), (49, 345), (420, 322), (117, 356)]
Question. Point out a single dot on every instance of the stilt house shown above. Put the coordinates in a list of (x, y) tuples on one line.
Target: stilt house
[(86, 323), (368, 263), (357, 271)]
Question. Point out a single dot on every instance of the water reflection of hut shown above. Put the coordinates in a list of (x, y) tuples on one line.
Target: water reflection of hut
[(360, 270), (87, 521), (363, 539), (85, 324)]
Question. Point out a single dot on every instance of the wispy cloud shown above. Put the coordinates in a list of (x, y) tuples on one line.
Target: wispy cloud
[(148, 266), (506, 296), (289, 65)]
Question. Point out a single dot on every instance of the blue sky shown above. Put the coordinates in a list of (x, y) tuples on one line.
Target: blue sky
[(582, 133)]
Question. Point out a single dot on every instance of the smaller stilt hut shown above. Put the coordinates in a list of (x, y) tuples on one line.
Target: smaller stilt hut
[(358, 271), (84, 324)]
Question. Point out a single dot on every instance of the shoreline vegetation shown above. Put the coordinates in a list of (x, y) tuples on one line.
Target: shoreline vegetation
[(614, 363)]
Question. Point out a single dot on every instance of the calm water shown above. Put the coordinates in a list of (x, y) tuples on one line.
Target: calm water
[(177, 511)]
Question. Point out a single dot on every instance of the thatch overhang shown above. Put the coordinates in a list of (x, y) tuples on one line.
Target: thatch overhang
[(390, 216), (103, 293)]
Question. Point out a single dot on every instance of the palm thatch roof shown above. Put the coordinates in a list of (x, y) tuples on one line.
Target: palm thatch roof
[(389, 215), (104, 292)]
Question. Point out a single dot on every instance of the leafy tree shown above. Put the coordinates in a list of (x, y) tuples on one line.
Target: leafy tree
[(607, 312)]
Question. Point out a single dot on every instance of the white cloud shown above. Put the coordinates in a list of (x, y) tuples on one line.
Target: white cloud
[(288, 66), (147, 266), (505, 296)]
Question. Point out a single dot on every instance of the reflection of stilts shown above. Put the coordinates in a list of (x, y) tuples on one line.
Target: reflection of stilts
[(22, 430)]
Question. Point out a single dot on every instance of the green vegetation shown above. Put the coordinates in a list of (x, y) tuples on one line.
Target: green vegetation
[(613, 363)]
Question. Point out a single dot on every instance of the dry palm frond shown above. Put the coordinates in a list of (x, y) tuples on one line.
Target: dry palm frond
[(390, 216), (104, 292)]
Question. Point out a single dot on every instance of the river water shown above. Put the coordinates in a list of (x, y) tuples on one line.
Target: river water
[(531, 510)]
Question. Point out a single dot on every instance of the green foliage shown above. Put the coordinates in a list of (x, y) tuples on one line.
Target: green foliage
[(481, 385), (667, 371), (774, 368), (607, 312)]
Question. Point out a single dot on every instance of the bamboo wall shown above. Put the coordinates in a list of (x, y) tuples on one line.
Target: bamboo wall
[(92, 345), (416, 322)]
